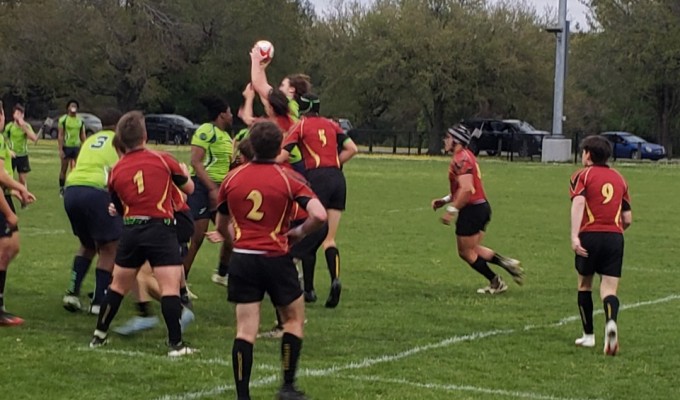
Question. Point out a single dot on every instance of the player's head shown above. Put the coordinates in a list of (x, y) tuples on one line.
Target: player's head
[(18, 111), (218, 110), (279, 102), (309, 104), (131, 130), (295, 85), (245, 149), (72, 106), (457, 135), (595, 150), (266, 138), (110, 117)]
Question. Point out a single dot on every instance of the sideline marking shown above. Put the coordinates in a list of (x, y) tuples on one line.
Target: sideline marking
[(368, 362), (458, 388)]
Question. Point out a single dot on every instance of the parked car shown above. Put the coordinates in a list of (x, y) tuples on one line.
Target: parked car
[(169, 128), (345, 124), (627, 145), (51, 125), (504, 135)]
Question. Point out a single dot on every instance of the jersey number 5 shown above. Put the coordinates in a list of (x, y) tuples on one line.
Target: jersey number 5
[(255, 214), (607, 192)]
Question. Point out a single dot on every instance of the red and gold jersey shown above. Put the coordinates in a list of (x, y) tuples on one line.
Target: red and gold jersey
[(606, 194), (179, 199), (463, 163), (284, 122), (143, 181), (259, 196), (318, 140)]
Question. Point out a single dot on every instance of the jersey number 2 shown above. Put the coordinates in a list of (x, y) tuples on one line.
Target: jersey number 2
[(255, 214)]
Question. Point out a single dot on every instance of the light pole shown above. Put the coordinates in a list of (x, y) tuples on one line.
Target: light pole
[(555, 146)]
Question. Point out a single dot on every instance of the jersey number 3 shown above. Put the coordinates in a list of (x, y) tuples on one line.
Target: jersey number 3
[(255, 214)]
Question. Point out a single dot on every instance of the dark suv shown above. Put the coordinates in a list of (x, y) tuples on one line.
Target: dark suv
[(504, 135), (169, 128)]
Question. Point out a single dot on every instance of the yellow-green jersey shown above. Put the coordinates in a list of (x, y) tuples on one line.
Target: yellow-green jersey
[(16, 138), (294, 113), (95, 160), (6, 158), (218, 148), (72, 126)]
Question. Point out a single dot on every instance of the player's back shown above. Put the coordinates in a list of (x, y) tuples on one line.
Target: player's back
[(605, 191), (96, 158), (318, 138), (142, 179), (259, 197)]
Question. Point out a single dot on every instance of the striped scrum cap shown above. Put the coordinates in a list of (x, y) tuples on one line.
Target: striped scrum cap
[(460, 134)]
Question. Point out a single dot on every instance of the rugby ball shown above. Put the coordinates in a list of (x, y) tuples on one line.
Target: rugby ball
[(266, 49)]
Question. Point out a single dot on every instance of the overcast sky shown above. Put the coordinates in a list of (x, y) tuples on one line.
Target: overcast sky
[(576, 12)]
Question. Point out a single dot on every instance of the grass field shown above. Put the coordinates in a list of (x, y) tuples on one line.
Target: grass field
[(409, 326)]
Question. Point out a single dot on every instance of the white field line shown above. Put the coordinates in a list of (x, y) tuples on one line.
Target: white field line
[(458, 388), (40, 232), (408, 210), (369, 362), (189, 359)]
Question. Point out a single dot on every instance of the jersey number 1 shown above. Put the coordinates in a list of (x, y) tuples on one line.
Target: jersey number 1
[(139, 180)]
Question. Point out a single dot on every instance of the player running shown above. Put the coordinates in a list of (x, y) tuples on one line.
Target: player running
[(70, 134), (472, 212), (600, 212)]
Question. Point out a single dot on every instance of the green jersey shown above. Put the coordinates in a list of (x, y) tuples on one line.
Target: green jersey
[(16, 139), (72, 127), (218, 148), (6, 158), (294, 113), (96, 158)]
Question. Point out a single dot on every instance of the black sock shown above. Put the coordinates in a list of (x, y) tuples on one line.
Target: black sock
[(222, 269), (496, 259), (80, 266), (186, 274), (3, 279), (333, 261), (291, 346), (109, 309), (184, 296), (242, 362), (171, 307), (103, 280), (308, 264), (611, 307), (61, 182), (143, 309), (585, 308), (279, 320), (482, 267)]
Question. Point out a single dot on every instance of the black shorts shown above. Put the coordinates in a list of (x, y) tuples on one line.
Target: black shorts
[(251, 275), (329, 186), (184, 223), (21, 164), (6, 230), (605, 254), (473, 219), (310, 243), (71, 152), (88, 210), (199, 201), (154, 241)]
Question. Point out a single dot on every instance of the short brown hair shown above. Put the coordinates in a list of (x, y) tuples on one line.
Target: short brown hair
[(302, 83), (599, 148), (131, 129), (245, 148), (19, 107), (266, 138)]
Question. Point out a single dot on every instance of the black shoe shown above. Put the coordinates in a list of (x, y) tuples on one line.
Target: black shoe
[(310, 297), (98, 341), (290, 392), (334, 296)]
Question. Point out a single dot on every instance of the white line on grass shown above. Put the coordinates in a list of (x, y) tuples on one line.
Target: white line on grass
[(41, 232), (198, 360), (369, 362), (458, 388)]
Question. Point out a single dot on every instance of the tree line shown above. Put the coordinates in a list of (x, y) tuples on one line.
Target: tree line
[(417, 65)]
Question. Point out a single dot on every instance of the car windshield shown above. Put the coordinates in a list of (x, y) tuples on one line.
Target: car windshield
[(527, 127), (183, 120), (633, 139)]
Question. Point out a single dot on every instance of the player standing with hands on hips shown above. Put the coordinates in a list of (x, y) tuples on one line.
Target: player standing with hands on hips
[(473, 212), (600, 212)]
